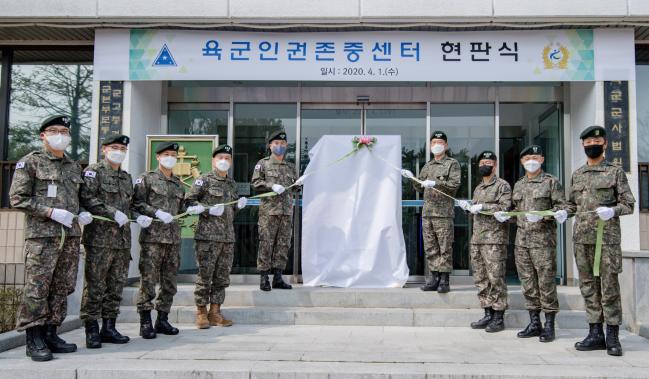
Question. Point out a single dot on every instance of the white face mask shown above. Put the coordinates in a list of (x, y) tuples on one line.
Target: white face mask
[(116, 156), (58, 141), (168, 162), (437, 149), (222, 165), (532, 166)]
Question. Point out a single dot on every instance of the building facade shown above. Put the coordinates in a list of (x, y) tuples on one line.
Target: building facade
[(495, 75)]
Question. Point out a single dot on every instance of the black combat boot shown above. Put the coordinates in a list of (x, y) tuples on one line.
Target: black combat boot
[(93, 341), (56, 343), (594, 340), (444, 285), (35, 347), (432, 282), (278, 281), (497, 322), (110, 334), (146, 326), (548, 329), (163, 326), (264, 283), (613, 346), (483, 322), (534, 328)]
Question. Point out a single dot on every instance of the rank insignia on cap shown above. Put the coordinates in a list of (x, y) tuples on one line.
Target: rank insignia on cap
[(90, 174), (20, 165), (198, 182), (596, 132)]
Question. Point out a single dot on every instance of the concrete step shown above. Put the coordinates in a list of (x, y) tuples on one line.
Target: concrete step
[(337, 316), (333, 352), (461, 297)]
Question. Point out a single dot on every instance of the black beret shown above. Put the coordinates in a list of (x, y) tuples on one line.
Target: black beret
[(118, 139), (278, 134), (531, 150), (593, 131), (166, 146), (439, 135), (225, 148), (55, 120), (487, 154)]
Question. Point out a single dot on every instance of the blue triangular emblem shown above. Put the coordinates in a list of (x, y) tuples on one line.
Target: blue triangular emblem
[(164, 57)]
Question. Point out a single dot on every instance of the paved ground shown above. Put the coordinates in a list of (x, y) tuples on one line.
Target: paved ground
[(301, 351)]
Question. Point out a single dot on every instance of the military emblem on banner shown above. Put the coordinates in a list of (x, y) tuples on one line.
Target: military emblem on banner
[(555, 56)]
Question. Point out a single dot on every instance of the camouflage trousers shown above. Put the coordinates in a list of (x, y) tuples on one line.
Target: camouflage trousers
[(488, 262), (214, 260), (50, 276), (537, 268), (601, 294), (159, 262), (438, 243), (274, 241), (106, 271)]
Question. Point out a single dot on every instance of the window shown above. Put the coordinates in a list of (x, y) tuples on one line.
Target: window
[(41, 90), (643, 179)]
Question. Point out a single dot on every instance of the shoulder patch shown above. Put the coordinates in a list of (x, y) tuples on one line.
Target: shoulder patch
[(138, 180), (257, 167), (90, 174), (20, 165), (198, 182)]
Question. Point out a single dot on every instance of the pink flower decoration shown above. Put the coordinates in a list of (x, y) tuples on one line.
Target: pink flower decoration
[(365, 140)]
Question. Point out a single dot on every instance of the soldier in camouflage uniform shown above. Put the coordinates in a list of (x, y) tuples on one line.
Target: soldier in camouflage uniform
[(489, 243), (214, 236), (274, 173), (536, 241), (443, 174), (602, 190), (107, 192), (46, 188), (159, 194)]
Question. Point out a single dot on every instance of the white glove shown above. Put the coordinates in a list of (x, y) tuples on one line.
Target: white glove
[(217, 210), (561, 216), (501, 216), (62, 216), (144, 221), (531, 217), (164, 216), (605, 213), (463, 204), (278, 189), (84, 218), (428, 183), (120, 218), (195, 209), (475, 209), (300, 180), (407, 174), (242, 202)]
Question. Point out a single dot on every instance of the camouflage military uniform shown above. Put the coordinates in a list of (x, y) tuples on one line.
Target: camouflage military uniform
[(602, 185), (275, 213), (489, 243), (438, 212), (160, 242), (107, 245), (536, 242), (214, 237), (50, 271)]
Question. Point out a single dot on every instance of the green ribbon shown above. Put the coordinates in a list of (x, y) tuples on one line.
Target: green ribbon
[(598, 246)]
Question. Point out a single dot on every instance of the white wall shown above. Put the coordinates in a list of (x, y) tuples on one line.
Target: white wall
[(319, 11), (142, 111)]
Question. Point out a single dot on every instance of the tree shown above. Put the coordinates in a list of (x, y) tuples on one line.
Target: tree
[(42, 90)]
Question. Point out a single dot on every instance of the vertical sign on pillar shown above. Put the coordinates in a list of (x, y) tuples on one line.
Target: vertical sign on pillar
[(616, 120), (111, 100)]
